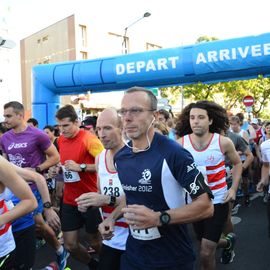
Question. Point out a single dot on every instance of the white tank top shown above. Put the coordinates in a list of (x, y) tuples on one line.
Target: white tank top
[(211, 162), (6, 236), (110, 185)]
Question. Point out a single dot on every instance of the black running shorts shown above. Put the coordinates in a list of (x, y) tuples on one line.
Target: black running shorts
[(211, 228), (72, 219)]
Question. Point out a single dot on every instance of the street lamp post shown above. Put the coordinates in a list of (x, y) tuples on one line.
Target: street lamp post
[(124, 43), (7, 43)]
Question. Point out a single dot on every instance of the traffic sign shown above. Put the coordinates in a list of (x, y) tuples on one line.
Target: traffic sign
[(248, 101)]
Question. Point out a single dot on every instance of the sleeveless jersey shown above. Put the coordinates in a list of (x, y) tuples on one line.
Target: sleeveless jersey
[(110, 185), (6, 236), (157, 178), (211, 162)]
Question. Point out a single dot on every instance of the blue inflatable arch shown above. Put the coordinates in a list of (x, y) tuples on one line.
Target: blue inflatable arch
[(223, 60)]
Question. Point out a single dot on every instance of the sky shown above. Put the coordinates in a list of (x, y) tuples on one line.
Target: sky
[(172, 23)]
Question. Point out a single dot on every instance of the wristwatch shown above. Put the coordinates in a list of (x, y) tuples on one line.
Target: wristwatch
[(47, 205), (112, 201), (83, 167), (38, 169), (164, 218)]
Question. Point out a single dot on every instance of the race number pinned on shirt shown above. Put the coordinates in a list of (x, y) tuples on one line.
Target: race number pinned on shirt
[(70, 176), (145, 234)]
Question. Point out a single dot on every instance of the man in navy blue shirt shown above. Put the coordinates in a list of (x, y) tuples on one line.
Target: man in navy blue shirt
[(155, 172)]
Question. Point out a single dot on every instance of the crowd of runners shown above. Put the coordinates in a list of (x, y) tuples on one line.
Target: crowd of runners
[(134, 178)]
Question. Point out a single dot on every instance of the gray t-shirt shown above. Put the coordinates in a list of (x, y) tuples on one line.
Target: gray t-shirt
[(240, 144)]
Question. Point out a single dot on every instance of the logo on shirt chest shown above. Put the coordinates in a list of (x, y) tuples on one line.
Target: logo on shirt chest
[(146, 177), (210, 158), (17, 145)]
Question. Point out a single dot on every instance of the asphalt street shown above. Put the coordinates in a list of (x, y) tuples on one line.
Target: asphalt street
[(252, 246)]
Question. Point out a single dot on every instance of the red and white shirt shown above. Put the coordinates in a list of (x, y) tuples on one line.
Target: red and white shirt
[(7, 243), (110, 184), (211, 162)]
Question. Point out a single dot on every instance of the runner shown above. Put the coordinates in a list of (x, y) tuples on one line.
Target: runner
[(29, 147), (242, 147), (78, 149), (154, 172), (110, 133), (265, 155), (10, 179), (199, 127), (23, 228), (235, 125)]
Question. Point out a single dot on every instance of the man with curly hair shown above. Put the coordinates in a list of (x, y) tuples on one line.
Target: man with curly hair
[(199, 128)]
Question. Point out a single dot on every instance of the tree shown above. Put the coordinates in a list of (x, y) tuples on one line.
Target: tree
[(205, 39)]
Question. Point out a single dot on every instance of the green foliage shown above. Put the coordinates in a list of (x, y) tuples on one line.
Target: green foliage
[(205, 39), (228, 94), (171, 93)]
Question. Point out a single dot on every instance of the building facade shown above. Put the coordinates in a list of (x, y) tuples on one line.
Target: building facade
[(72, 38)]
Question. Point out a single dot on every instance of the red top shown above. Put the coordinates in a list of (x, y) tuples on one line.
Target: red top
[(83, 148)]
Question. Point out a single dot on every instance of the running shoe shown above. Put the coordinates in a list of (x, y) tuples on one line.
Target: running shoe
[(228, 253), (62, 259)]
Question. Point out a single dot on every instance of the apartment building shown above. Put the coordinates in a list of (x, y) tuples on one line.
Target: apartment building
[(73, 38)]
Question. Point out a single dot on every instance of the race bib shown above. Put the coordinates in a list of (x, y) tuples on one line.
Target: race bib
[(145, 234), (70, 176)]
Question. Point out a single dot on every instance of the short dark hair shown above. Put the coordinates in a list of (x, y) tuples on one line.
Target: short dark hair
[(3, 128), (56, 131), (152, 97), (33, 121), (49, 127), (241, 118), (235, 118), (165, 113), (90, 121), (67, 111), (17, 106)]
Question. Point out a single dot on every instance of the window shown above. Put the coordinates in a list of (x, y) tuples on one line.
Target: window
[(83, 32), (45, 38), (83, 55)]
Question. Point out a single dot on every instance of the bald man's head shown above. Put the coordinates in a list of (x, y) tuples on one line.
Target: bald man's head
[(111, 115), (109, 129)]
